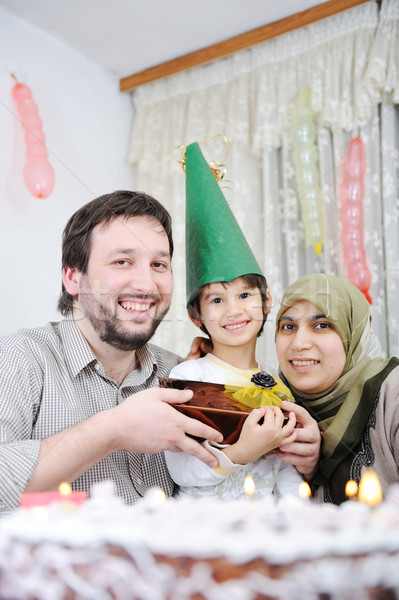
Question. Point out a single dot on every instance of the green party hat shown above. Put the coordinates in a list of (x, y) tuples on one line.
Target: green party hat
[(216, 249)]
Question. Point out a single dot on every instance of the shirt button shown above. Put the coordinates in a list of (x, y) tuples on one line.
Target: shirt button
[(97, 367)]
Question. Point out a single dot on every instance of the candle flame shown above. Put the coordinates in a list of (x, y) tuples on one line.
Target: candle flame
[(370, 489), (249, 486), (351, 489), (65, 489), (304, 490), (158, 495), (155, 498)]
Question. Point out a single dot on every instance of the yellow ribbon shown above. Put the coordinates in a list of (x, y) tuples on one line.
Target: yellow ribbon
[(253, 396), (218, 169)]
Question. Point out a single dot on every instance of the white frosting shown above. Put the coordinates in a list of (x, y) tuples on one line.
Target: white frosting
[(320, 545)]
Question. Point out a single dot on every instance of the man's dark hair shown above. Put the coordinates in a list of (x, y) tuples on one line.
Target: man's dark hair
[(253, 281), (77, 233)]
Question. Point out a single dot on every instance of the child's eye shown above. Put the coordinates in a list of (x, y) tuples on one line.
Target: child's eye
[(216, 300), (245, 295)]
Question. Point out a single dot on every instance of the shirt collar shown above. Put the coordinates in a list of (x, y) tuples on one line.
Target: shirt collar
[(78, 354), (77, 351), (146, 367)]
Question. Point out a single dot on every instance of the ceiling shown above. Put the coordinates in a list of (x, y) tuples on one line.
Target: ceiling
[(128, 36)]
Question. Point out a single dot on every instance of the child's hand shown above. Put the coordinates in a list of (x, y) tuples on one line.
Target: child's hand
[(258, 439)]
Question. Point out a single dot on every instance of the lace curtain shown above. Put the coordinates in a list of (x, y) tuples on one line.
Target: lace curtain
[(349, 63)]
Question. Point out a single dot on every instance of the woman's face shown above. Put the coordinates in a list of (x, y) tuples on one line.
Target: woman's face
[(309, 348)]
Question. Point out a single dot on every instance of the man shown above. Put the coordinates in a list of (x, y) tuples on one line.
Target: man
[(75, 400)]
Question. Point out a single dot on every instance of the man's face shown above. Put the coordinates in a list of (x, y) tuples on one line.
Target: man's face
[(127, 289)]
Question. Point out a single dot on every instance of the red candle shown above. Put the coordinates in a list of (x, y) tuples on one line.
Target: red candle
[(64, 494)]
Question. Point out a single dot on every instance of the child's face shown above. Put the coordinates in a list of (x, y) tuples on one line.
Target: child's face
[(232, 312), (310, 351)]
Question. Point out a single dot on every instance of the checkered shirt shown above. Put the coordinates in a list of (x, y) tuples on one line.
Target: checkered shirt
[(50, 380)]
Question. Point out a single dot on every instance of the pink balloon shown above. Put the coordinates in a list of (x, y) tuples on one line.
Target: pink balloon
[(38, 173), (351, 213), (39, 177)]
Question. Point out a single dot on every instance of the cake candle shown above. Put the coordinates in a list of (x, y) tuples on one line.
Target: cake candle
[(304, 490), (64, 494), (249, 487), (351, 489), (370, 491)]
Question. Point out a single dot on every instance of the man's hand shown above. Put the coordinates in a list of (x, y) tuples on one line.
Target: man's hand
[(199, 347), (146, 423), (304, 452), (258, 439)]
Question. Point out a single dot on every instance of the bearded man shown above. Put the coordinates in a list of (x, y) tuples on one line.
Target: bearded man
[(80, 401)]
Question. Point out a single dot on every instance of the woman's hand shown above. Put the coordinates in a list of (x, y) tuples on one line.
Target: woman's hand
[(258, 439), (304, 451)]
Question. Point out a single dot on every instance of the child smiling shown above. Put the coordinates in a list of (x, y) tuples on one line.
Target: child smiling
[(228, 299)]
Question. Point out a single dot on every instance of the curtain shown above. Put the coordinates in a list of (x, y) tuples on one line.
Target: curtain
[(349, 66)]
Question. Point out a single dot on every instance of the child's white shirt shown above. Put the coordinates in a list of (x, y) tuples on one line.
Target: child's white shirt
[(271, 475)]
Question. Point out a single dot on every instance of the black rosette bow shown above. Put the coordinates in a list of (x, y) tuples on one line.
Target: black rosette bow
[(263, 380), (262, 391)]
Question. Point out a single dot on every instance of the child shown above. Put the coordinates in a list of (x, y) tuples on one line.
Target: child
[(228, 298)]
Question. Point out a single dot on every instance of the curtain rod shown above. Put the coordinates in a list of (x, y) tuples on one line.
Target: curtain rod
[(239, 42)]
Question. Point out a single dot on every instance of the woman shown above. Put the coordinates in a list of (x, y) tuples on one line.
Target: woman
[(332, 362)]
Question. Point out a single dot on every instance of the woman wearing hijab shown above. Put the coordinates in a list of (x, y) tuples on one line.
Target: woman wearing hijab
[(332, 361)]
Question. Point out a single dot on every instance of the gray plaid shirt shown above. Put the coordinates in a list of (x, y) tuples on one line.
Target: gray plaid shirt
[(50, 380)]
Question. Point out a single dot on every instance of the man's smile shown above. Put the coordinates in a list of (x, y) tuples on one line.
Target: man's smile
[(136, 306)]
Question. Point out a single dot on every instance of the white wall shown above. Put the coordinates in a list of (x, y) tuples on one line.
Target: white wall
[(87, 124)]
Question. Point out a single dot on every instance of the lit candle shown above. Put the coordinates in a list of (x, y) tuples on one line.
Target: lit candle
[(65, 489), (351, 489), (370, 489), (155, 497), (304, 490), (249, 487), (64, 494)]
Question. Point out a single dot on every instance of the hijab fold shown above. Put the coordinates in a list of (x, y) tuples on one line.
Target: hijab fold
[(343, 409)]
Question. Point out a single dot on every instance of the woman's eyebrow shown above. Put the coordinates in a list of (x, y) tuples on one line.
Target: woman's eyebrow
[(286, 318), (311, 318)]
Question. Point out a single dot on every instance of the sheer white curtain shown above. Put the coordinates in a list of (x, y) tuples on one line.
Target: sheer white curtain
[(350, 65)]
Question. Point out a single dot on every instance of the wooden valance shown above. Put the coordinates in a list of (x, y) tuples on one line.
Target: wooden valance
[(239, 42)]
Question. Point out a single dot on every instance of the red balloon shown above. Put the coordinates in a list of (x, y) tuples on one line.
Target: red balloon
[(351, 213), (38, 173)]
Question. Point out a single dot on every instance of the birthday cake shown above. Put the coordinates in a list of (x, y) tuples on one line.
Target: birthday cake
[(184, 548)]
